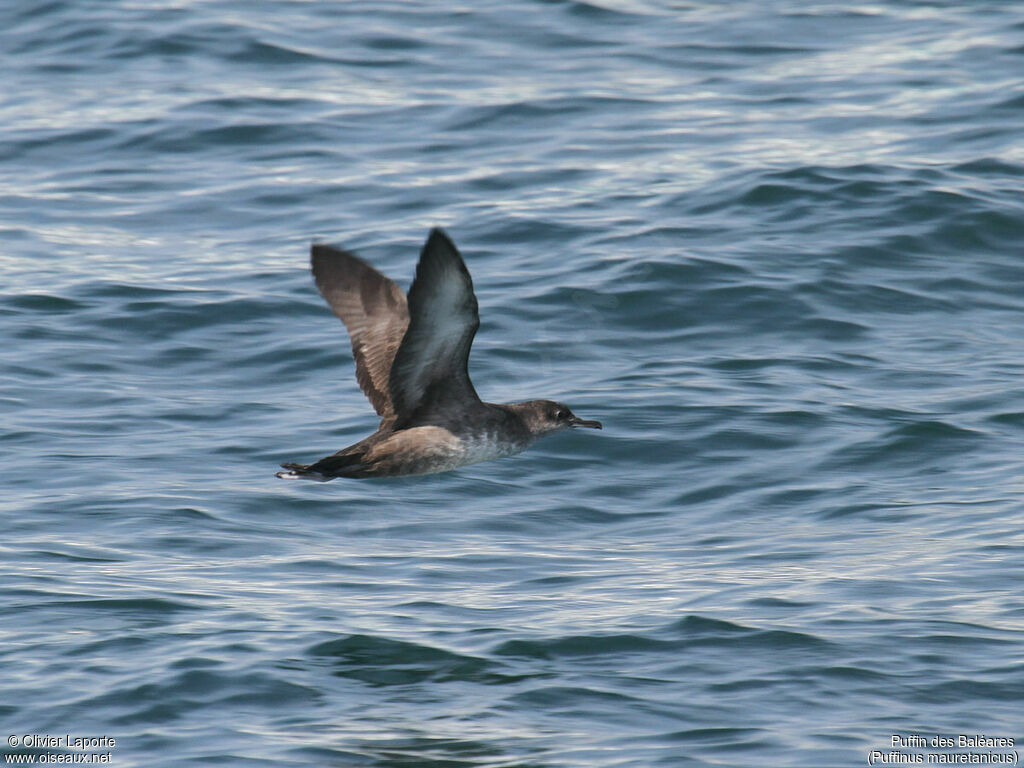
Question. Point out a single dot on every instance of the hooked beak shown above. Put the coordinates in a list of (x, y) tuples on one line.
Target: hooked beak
[(584, 423)]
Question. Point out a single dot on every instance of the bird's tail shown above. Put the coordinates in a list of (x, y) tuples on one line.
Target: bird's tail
[(339, 465), (295, 471)]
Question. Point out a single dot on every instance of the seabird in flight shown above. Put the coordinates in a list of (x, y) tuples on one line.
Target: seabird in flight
[(411, 358)]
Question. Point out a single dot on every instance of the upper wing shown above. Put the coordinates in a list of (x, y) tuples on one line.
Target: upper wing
[(373, 310), (431, 368)]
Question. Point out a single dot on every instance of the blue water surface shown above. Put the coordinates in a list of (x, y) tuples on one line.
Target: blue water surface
[(775, 247)]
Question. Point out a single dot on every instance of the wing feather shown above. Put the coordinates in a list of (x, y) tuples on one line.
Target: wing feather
[(374, 312), (431, 368)]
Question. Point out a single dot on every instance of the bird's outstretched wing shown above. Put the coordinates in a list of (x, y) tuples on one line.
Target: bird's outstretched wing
[(430, 374), (373, 310)]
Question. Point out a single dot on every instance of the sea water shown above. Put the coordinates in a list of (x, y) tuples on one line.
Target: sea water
[(776, 248)]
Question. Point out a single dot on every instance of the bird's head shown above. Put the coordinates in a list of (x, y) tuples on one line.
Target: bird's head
[(545, 417)]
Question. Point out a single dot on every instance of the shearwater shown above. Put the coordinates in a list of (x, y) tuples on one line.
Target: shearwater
[(411, 358)]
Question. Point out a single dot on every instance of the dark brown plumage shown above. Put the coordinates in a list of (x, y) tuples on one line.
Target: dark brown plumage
[(411, 360)]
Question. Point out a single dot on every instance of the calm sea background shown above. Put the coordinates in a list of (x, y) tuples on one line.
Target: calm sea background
[(776, 247)]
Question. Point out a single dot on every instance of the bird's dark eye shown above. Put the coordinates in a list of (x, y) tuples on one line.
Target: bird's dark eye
[(562, 415)]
